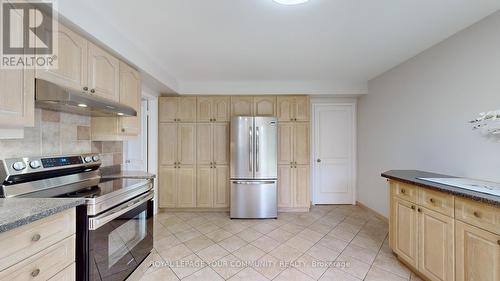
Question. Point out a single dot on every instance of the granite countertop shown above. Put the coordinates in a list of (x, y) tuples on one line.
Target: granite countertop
[(412, 177), (16, 212), (128, 174)]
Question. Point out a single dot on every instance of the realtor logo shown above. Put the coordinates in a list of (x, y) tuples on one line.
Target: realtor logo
[(27, 34)]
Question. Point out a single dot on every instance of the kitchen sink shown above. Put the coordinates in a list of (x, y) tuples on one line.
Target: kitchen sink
[(469, 184)]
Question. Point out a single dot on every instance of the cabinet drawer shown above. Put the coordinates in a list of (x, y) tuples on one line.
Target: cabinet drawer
[(437, 201), (20, 243), (43, 265), (404, 191), (68, 274), (478, 214)]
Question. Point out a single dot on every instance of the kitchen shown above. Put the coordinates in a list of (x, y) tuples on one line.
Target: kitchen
[(203, 154)]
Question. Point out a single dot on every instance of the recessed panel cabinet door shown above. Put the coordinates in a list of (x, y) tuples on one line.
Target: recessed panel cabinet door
[(436, 251), (71, 70), (205, 109), (167, 143), (130, 94), (167, 186), (285, 186), (264, 106), (221, 187), (284, 107), (205, 141), (477, 254), (285, 143), (186, 187), (186, 144), (103, 73), (241, 106), (301, 143), (204, 190), (301, 108), (167, 109), (301, 181), (186, 111), (406, 242), (221, 109), (221, 143)]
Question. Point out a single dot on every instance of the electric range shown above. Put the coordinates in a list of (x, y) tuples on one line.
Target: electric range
[(115, 225)]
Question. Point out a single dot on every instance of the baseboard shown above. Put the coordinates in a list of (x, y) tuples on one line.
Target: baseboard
[(180, 210), (377, 214), (293, 210)]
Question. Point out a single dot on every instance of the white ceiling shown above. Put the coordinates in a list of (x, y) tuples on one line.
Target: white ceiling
[(258, 46)]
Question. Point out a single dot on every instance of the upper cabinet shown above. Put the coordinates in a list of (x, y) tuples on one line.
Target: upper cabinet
[(103, 73), (213, 109), (71, 71), (130, 94), (264, 105), (177, 109), (241, 106), (293, 108)]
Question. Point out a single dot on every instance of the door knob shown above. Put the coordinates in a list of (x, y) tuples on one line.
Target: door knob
[(319, 160)]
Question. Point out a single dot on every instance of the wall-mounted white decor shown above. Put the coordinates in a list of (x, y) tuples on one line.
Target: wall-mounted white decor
[(487, 122)]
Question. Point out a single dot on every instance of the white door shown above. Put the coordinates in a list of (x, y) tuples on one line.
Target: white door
[(334, 154), (136, 149)]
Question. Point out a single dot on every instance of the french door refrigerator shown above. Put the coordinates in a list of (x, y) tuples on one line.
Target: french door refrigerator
[(254, 167)]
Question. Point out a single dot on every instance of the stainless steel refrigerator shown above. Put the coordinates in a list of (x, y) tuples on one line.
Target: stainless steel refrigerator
[(254, 167)]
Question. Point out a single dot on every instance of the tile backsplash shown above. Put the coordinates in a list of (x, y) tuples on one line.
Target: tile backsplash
[(57, 133)]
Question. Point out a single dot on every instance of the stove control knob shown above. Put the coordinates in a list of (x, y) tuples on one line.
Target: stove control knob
[(18, 166), (35, 164), (88, 159), (95, 158)]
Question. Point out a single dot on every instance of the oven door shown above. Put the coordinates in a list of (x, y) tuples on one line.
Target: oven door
[(120, 239)]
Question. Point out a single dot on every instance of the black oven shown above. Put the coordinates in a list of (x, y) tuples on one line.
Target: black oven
[(111, 245)]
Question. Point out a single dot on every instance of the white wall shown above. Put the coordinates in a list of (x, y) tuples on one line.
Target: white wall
[(415, 115)]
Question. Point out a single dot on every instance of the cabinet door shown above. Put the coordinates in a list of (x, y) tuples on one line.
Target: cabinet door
[(301, 187), (204, 188), (221, 143), (221, 109), (301, 108), (241, 106), (167, 143), (406, 231), (301, 152), (167, 109), (477, 254), (71, 70), (167, 186), (221, 187), (285, 186), (103, 73), (436, 248), (205, 108), (186, 187), (285, 143), (264, 106), (130, 94), (284, 105), (205, 144), (186, 144), (186, 111)]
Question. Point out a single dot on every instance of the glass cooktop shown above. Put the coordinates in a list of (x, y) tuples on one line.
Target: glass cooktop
[(106, 187)]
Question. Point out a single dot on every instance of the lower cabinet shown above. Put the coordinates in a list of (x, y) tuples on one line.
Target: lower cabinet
[(177, 186), (212, 187), (478, 254), (405, 231), (293, 186)]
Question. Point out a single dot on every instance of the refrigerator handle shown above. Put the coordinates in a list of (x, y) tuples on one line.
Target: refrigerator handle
[(257, 144), (250, 152)]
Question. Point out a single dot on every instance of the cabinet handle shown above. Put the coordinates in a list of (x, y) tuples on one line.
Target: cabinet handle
[(215, 120), (291, 119), (92, 91), (178, 120), (123, 130), (477, 214), (403, 191), (431, 200), (318, 160), (36, 237), (85, 88), (498, 242), (413, 207), (35, 272), (419, 210)]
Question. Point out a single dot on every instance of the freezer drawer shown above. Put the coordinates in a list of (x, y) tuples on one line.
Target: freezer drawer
[(254, 199)]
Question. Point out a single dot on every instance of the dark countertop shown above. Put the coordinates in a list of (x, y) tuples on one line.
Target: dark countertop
[(128, 174), (16, 212), (411, 177)]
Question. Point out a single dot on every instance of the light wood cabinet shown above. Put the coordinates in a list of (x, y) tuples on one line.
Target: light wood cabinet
[(436, 248), (177, 186), (293, 187), (285, 186), (293, 108), (177, 144), (406, 227), (212, 187), (17, 97), (167, 186), (103, 73), (221, 186), (301, 186), (478, 254), (293, 139), (264, 105), (177, 109), (213, 144), (213, 109), (242, 106), (204, 187)]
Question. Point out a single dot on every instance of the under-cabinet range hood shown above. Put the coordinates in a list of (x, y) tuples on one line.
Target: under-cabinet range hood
[(55, 97)]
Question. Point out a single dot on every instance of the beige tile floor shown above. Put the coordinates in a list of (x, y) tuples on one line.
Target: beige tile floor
[(329, 243)]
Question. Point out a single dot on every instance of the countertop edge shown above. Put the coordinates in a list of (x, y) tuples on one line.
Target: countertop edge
[(468, 194), (46, 212)]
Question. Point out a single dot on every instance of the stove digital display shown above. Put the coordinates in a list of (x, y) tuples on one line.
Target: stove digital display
[(61, 161)]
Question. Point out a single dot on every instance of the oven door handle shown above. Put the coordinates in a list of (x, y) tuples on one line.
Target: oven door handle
[(97, 222)]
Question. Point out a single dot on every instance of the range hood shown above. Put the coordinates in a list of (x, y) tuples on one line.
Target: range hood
[(55, 97)]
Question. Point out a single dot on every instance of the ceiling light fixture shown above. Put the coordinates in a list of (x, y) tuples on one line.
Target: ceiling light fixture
[(82, 105), (290, 2)]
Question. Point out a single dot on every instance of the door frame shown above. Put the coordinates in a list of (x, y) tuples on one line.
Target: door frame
[(316, 103)]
